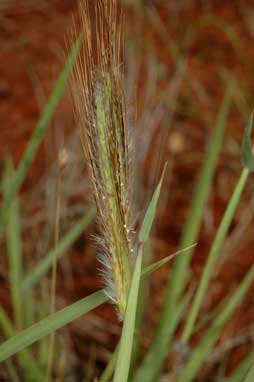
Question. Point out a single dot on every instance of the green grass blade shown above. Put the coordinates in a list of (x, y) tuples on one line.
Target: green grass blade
[(14, 248), (221, 372), (42, 351), (247, 155), (123, 362), (157, 353), (153, 267), (242, 370), (55, 321), (15, 261), (50, 324), (59, 319), (45, 326), (150, 213), (250, 375), (12, 372), (202, 350), (208, 317), (125, 348), (36, 274), (14, 252), (109, 370), (29, 302), (26, 360), (213, 255), (145, 372), (202, 191), (142, 305), (38, 134)]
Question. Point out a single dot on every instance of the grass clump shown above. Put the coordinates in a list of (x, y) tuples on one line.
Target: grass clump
[(97, 87)]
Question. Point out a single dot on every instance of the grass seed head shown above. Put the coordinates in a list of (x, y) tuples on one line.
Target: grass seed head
[(100, 111)]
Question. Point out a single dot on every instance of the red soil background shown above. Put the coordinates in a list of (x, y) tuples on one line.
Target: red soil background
[(212, 38)]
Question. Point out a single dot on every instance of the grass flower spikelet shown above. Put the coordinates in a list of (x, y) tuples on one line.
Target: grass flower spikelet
[(100, 111)]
